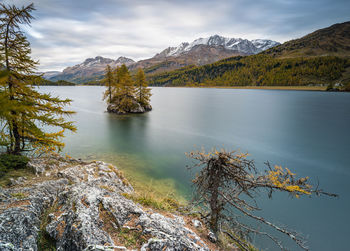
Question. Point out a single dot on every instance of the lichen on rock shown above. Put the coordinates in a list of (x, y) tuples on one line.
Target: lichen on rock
[(85, 210)]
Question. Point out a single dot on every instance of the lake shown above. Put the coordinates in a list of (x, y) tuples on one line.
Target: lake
[(305, 131)]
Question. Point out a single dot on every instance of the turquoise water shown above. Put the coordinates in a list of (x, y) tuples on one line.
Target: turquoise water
[(305, 131)]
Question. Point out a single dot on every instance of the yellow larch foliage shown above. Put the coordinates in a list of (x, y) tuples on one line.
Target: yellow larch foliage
[(283, 179)]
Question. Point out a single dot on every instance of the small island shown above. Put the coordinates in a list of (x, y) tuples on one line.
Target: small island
[(126, 94)]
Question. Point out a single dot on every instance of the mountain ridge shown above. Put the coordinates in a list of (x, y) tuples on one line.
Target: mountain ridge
[(90, 68), (240, 45), (333, 40), (321, 58), (199, 52)]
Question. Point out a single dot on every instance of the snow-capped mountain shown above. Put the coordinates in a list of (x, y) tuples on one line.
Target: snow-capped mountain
[(264, 44), (100, 62), (240, 45), (90, 68), (199, 52)]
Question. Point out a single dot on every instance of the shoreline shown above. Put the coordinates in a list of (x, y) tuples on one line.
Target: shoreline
[(90, 205), (287, 88), (280, 88)]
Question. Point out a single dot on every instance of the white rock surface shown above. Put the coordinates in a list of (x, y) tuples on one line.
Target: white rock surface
[(80, 195)]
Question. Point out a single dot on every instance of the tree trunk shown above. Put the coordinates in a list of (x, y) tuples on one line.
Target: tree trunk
[(15, 147), (16, 135), (215, 207), (110, 91), (214, 212)]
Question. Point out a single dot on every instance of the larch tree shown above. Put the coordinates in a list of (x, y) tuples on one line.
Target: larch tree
[(27, 112), (226, 186), (126, 93), (110, 83), (143, 93), (127, 89)]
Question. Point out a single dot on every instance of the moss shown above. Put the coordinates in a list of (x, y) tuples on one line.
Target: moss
[(19, 195)]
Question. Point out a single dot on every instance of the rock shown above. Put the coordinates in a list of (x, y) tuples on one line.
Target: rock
[(212, 237), (104, 248), (169, 234), (88, 212), (6, 246), (197, 223), (135, 107), (20, 218), (18, 181), (147, 108), (37, 166)]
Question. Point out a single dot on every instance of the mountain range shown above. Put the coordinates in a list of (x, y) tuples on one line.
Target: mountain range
[(91, 68), (321, 58), (199, 52), (235, 44)]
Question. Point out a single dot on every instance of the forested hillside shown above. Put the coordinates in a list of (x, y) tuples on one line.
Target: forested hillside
[(320, 58), (330, 41), (42, 81), (258, 70)]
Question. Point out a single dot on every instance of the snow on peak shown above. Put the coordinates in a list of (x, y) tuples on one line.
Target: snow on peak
[(264, 44), (238, 44)]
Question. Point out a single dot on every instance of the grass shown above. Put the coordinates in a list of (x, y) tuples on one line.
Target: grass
[(13, 166), (12, 173), (19, 196), (120, 174), (108, 188), (226, 243), (130, 238), (155, 202), (45, 241)]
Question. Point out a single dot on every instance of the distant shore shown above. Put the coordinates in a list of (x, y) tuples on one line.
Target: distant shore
[(295, 88), (291, 88)]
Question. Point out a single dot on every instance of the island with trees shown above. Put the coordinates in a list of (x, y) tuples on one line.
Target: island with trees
[(125, 93)]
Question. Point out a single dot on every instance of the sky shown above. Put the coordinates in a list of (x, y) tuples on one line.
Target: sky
[(66, 32)]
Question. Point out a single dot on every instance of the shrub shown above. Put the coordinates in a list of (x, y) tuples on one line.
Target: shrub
[(9, 161), (3, 169)]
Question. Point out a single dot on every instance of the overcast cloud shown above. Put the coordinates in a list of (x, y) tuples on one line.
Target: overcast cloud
[(66, 32)]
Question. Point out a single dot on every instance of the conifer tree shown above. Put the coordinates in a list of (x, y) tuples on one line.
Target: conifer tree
[(143, 93), (109, 82), (26, 111), (125, 94), (127, 89)]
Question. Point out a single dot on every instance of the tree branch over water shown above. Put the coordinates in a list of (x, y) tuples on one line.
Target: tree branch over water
[(227, 184)]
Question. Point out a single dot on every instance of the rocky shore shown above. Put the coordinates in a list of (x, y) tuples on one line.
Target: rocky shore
[(77, 205), (135, 107)]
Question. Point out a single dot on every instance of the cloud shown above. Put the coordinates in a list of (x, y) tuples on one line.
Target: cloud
[(66, 32)]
